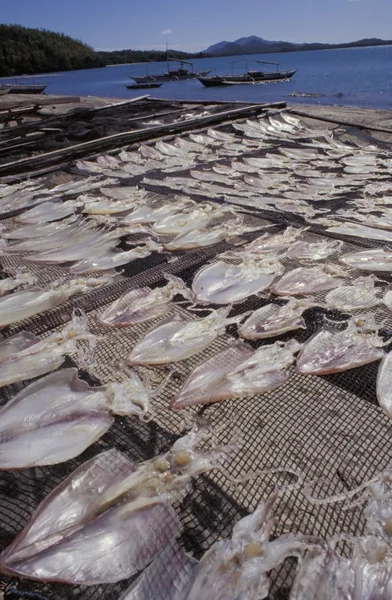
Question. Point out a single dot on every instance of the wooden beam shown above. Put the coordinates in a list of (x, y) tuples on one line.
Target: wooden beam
[(301, 113), (77, 113), (129, 137)]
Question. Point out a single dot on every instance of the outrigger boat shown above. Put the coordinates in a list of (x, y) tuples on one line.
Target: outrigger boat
[(249, 77), (173, 74), (16, 88)]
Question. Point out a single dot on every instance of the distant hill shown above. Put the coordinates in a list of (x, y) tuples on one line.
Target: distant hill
[(257, 45), (28, 51)]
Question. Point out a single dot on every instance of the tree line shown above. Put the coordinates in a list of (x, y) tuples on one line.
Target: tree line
[(26, 51)]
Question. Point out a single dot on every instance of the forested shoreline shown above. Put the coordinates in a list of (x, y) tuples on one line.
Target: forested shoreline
[(25, 51)]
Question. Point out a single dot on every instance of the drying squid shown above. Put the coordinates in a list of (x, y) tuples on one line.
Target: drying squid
[(110, 517), (167, 577), (387, 299), (308, 280), (331, 351), (11, 283), (112, 259), (197, 238), (23, 357), (16, 344), (360, 295), (359, 230), (178, 339), (237, 372), (57, 417), (272, 319), (313, 250), (232, 569), (150, 214), (22, 305), (49, 240), (95, 244), (41, 231), (225, 283), (376, 259), (196, 219), (46, 212), (384, 384), (274, 243), (105, 206), (367, 573), (142, 304)]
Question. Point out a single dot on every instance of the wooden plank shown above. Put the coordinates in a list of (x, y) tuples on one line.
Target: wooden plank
[(129, 137), (41, 102), (77, 113), (301, 113)]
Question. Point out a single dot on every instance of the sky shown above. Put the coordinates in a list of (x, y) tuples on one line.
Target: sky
[(193, 26)]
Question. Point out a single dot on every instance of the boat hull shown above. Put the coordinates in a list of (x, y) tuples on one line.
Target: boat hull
[(169, 77), (25, 89), (143, 86), (250, 78)]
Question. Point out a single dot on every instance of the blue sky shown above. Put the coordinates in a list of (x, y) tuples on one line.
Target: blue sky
[(192, 26)]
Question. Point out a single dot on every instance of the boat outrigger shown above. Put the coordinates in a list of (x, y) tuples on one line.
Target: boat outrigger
[(173, 74), (249, 77), (143, 86)]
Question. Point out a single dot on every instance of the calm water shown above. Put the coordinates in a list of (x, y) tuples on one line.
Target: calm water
[(363, 76)]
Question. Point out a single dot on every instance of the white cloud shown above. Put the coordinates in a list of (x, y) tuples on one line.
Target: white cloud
[(166, 32)]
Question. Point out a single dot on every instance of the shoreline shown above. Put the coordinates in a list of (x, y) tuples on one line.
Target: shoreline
[(363, 116)]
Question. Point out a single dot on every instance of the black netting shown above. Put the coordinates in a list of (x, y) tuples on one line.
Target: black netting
[(327, 429)]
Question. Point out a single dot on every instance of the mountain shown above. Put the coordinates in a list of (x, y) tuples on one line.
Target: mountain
[(257, 45), (244, 41)]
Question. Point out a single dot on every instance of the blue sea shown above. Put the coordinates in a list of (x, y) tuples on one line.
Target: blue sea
[(347, 77)]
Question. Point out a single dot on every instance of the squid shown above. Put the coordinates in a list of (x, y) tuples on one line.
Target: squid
[(25, 356), (142, 304), (376, 259), (308, 280), (178, 339), (237, 372), (272, 319), (273, 243), (46, 212), (197, 218), (111, 259), (57, 417), (360, 295), (235, 568), (25, 304), (11, 283), (359, 230), (313, 250), (38, 230), (146, 213), (331, 351), (366, 574), (225, 283), (96, 243), (111, 517)]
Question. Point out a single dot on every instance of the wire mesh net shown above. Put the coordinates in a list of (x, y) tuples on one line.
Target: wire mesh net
[(327, 430)]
